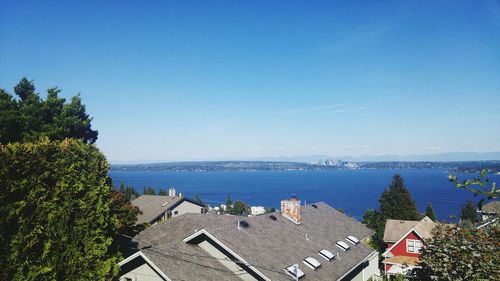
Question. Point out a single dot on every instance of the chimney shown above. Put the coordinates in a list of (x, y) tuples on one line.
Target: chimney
[(172, 192), (290, 209)]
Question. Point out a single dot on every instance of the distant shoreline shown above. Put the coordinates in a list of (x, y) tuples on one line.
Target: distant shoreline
[(207, 166)]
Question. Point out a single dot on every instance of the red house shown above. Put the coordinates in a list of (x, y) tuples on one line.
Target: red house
[(404, 244)]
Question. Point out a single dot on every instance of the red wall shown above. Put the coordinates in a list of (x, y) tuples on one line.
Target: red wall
[(400, 249)]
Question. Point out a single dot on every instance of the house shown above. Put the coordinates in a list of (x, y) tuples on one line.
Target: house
[(310, 242), (257, 210), (157, 207), (404, 244), (490, 211)]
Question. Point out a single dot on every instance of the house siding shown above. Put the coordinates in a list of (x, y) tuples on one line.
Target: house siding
[(186, 207), (401, 248)]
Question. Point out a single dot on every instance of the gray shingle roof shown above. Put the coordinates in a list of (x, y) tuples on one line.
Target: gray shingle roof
[(269, 245), (492, 207), (153, 206), (395, 229)]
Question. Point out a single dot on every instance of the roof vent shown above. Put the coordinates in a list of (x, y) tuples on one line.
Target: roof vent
[(312, 263), (352, 239), (327, 255), (273, 217), (314, 206), (342, 245), (243, 224), (295, 272)]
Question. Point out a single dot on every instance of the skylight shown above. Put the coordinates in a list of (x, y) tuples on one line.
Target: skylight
[(342, 245), (327, 255), (312, 263), (352, 239), (294, 271)]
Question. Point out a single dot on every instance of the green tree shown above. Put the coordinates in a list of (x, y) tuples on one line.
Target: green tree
[(239, 208), (429, 212), (10, 125), (468, 212), (374, 220), (397, 203), (197, 198), (55, 212), (229, 203), (148, 191), (129, 192), (480, 185), (30, 117), (162, 192), (460, 253)]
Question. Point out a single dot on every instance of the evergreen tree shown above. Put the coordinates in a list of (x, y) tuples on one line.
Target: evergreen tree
[(162, 192), (30, 117), (10, 123), (396, 202), (468, 212), (429, 212), (229, 202), (129, 192), (55, 212), (240, 208), (148, 191), (197, 198)]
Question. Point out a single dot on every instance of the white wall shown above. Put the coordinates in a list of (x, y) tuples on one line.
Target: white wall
[(186, 207), (370, 270)]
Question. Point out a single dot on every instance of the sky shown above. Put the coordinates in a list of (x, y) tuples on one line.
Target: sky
[(220, 80)]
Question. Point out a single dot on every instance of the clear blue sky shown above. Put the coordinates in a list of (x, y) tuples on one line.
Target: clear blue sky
[(207, 80)]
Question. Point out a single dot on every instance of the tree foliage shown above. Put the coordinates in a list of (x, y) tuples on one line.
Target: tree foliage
[(29, 117), (468, 212), (480, 185), (129, 192), (461, 253), (162, 192), (148, 191), (397, 203), (429, 212), (240, 208), (55, 212)]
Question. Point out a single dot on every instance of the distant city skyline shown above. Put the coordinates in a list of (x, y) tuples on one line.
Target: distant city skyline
[(236, 80)]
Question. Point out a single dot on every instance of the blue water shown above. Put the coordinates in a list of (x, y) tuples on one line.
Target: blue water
[(354, 191)]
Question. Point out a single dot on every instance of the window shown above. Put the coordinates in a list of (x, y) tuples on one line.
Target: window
[(413, 246), (294, 271), (176, 212), (312, 263), (327, 255)]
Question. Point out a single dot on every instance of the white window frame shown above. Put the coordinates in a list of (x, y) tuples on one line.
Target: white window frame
[(415, 244)]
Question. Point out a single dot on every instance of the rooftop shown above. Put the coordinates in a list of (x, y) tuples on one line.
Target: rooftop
[(396, 229), (153, 206), (269, 245)]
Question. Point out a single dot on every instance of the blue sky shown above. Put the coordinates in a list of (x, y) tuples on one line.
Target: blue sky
[(210, 80)]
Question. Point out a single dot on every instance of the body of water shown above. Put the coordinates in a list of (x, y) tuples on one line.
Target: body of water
[(354, 191)]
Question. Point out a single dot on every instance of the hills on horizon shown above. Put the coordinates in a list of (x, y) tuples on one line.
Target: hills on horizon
[(440, 157)]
